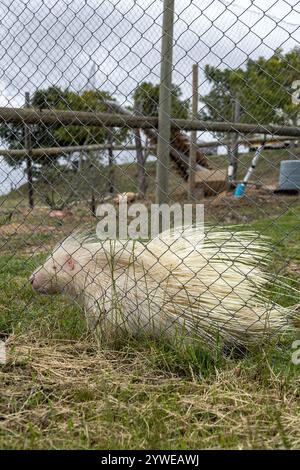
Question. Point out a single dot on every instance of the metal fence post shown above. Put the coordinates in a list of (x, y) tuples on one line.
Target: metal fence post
[(28, 146), (164, 113), (193, 142)]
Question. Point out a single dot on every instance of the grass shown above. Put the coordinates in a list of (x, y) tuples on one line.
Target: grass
[(64, 394), (58, 390)]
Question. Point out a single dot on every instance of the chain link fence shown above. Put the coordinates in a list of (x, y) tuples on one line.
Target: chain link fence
[(153, 102)]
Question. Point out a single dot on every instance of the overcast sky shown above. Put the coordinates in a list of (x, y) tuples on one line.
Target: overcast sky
[(58, 41)]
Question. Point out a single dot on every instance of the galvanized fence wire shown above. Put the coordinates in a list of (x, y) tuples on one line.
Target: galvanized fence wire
[(163, 101)]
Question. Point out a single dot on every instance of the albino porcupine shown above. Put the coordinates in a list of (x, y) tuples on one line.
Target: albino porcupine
[(178, 283)]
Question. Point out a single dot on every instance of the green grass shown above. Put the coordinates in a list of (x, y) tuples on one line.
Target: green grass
[(267, 169), (22, 309)]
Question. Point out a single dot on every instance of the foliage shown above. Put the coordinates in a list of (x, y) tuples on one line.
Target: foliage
[(146, 98), (263, 87), (43, 135)]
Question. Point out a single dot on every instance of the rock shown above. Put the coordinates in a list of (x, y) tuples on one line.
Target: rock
[(60, 213)]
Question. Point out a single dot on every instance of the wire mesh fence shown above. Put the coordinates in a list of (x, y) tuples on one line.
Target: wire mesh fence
[(130, 104)]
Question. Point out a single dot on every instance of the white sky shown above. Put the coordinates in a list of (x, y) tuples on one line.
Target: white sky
[(56, 42)]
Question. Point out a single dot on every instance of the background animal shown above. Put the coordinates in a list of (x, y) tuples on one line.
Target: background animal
[(178, 285), (125, 197)]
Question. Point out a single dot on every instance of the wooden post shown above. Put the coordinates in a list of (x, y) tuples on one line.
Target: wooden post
[(193, 142), (141, 156), (234, 153), (141, 162), (164, 111), (28, 146), (111, 185), (93, 203)]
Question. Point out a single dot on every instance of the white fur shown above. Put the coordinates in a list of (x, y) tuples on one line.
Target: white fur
[(177, 284)]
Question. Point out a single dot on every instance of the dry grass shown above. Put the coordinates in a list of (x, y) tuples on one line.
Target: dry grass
[(67, 394)]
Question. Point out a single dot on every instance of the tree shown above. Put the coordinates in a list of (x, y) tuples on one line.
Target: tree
[(146, 98), (146, 102), (268, 95), (263, 87), (218, 103), (41, 135), (56, 135)]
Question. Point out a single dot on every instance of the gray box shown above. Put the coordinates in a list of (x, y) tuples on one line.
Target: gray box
[(289, 178)]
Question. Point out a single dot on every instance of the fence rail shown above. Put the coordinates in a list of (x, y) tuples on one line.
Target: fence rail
[(95, 119), (54, 151)]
